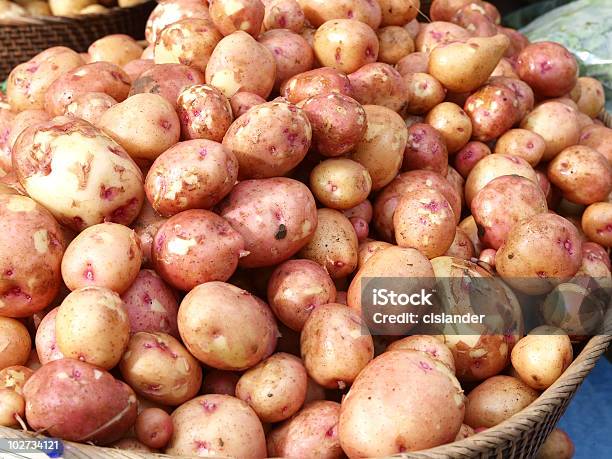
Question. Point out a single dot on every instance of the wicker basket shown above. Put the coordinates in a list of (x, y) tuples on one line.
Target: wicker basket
[(20, 41)]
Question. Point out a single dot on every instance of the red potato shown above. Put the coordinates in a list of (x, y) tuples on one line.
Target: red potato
[(23, 120), (245, 15), (269, 140), (167, 13), (217, 425), (15, 343), (283, 14), (379, 84), (166, 80), (361, 227), (345, 44), (386, 387), (335, 345), (493, 110), (159, 368), (151, 305), (77, 401), (14, 378), (292, 54), (395, 43), (424, 93), (28, 83), (438, 33), (189, 42), (6, 125), (592, 97), (347, 129), (412, 27), (95, 77), (196, 246), (105, 255), (548, 67), (425, 150), (220, 382), (240, 63), (367, 248), (45, 340), (137, 67), (518, 42), (340, 183), (154, 428), (416, 62), (453, 123), (276, 217), (242, 102), (471, 17), (558, 445), (319, 11), (204, 113), (468, 156), (583, 175), (461, 247), (523, 93), (90, 106), (296, 288), (313, 431), (503, 203), (594, 136), (319, 82), (522, 143), (195, 174), (433, 346), (597, 223), (116, 49), (381, 148), (593, 253), (539, 252), (146, 225), (31, 249), (226, 327), (363, 211)]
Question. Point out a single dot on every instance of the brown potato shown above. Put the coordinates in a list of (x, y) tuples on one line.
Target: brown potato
[(15, 343), (522, 143), (437, 33), (548, 67), (395, 43), (468, 156), (597, 223), (246, 15), (413, 63), (283, 14), (204, 113), (425, 92), (594, 136), (379, 84), (167, 80), (319, 11), (493, 110), (558, 445), (453, 123), (340, 183), (425, 150), (461, 247), (242, 102), (318, 82), (117, 49), (433, 346), (592, 98), (292, 54)]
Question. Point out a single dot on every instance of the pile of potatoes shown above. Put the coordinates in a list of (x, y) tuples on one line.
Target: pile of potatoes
[(184, 228), (15, 9)]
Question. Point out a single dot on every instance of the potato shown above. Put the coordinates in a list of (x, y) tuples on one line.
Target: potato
[(596, 137), (464, 432), (292, 54), (438, 33), (504, 202), (296, 288), (335, 345), (369, 247), (497, 399), (557, 124), (226, 327), (583, 175), (313, 431), (384, 393), (425, 150), (424, 220), (457, 182), (92, 325), (433, 346), (468, 156), (345, 44), (68, 8), (220, 382), (319, 11), (12, 408), (333, 244), (151, 305), (462, 246), (453, 123), (90, 106), (381, 148), (245, 15), (189, 41), (287, 209), (318, 82), (597, 223), (15, 343), (239, 63), (347, 128), (117, 49), (21, 121), (241, 102), (105, 255), (340, 183), (522, 143), (386, 201), (167, 80), (14, 378), (539, 252), (137, 67), (504, 69), (154, 427), (395, 43), (6, 125), (398, 12), (28, 83), (424, 93), (558, 445), (46, 342), (283, 14), (275, 388), (269, 140), (542, 356), (363, 211), (77, 401), (217, 425), (463, 67), (159, 368), (95, 77), (146, 225), (487, 256), (196, 246), (493, 110), (195, 174), (471, 17), (592, 98), (523, 93), (595, 260), (31, 249), (167, 13), (204, 113), (548, 67), (416, 62), (379, 84)]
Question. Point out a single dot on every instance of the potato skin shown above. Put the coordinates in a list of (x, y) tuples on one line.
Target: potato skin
[(433, 346), (283, 14), (558, 445), (425, 92), (296, 288), (319, 11), (90, 106), (15, 343), (462, 246), (287, 209), (146, 225), (379, 84), (159, 368), (137, 67), (335, 345), (597, 223), (522, 91), (14, 378), (154, 427), (318, 82), (196, 246), (167, 13), (340, 183), (31, 249), (386, 386), (594, 136), (269, 140), (219, 425), (45, 341), (496, 399), (437, 33), (468, 156), (226, 327), (453, 123), (425, 150), (167, 80), (523, 143), (592, 97), (292, 53), (395, 43), (242, 102), (220, 382), (117, 49), (416, 62), (493, 110), (195, 174), (204, 113)]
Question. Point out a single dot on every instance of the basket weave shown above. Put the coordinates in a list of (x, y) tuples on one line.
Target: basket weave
[(20, 41)]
